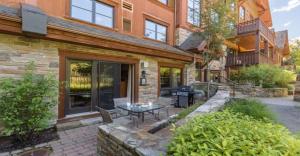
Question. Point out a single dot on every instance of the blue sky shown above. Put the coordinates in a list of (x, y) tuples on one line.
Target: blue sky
[(286, 15)]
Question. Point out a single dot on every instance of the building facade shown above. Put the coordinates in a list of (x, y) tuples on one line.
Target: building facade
[(256, 42), (98, 49), (105, 49)]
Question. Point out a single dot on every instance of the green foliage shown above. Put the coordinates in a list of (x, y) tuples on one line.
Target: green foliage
[(26, 103), (266, 75), (295, 52), (218, 19), (250, 107), (188, 110), (227, 133)]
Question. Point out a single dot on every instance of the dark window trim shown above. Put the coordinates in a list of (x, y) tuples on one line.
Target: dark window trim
[(94, 13)]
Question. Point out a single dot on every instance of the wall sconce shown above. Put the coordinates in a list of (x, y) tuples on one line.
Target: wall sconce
[(143, 79)]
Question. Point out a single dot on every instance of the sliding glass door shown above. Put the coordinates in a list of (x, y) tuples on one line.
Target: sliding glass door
[(109, 83), (92, 84), (79, 86)]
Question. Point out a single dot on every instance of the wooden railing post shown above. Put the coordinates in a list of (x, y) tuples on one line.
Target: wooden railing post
[(257, 46)]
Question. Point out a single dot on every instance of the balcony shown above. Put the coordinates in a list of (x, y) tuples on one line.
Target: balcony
[(254, 26), (250, 58)]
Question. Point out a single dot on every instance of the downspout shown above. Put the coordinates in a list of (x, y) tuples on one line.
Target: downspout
[(175, 21)]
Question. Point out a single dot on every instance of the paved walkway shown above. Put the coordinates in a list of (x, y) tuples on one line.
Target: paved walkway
[(287, 111), (74, 142)]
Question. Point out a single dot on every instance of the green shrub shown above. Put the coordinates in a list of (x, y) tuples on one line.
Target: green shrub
[(26, 103), (227, 133), (250, 107), (268, 76)]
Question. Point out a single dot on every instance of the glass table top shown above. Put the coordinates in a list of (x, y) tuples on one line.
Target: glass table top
[(139, 108)]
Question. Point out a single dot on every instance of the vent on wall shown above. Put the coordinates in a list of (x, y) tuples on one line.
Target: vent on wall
[(127, 6)]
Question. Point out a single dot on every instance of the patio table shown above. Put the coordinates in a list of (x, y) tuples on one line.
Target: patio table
[(140, 109)]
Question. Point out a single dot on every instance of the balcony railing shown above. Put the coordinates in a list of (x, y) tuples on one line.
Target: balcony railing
[(256, 25), (249, 58)]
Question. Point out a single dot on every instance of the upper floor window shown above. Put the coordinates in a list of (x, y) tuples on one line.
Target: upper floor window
[(164, 1), (242, 13), (155, 31), (194, 12), (93, 11)]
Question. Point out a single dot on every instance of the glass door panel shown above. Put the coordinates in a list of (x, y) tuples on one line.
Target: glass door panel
[(79, 90), (109, 83)]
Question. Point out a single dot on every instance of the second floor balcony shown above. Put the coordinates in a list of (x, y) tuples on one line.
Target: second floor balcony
[(251, 58), (256, 25)]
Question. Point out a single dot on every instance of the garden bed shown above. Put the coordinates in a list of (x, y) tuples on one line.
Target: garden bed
[(11, 143)]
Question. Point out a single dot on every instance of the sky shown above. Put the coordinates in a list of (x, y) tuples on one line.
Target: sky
[(286, 15)]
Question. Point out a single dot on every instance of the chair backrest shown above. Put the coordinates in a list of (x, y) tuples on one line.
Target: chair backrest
[(106, 117), (120, 101)]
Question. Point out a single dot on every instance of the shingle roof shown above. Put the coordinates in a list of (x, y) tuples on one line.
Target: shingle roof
[(8, 11), (192, 42)]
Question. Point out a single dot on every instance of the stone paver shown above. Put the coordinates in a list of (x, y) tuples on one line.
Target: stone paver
[(78, 141), (286, 110)]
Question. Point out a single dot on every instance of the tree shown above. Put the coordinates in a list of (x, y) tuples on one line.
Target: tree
[(218, 19), (295, 52)]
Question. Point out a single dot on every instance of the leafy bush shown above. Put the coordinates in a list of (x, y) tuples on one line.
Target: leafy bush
[(227, 133), (266, 75), (252, 108), (26, 103)]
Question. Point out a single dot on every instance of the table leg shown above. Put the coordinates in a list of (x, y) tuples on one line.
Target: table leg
[(143, 118)]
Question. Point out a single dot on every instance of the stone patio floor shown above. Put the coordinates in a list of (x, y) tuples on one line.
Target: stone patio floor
[(83, 140)]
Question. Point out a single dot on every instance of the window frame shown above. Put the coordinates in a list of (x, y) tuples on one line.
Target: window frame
[(94, 13), (193, 11), (155, 31)]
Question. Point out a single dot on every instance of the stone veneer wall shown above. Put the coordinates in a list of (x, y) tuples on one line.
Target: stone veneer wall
[(181, 35), (17, 51), (190, 73)]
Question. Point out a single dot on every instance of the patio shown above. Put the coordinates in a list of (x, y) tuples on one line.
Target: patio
[(83, 140)]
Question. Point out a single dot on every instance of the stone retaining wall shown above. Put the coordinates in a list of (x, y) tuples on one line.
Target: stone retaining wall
[(256, 91), (297, 89)]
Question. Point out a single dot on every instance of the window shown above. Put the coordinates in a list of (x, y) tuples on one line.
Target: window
[(164, 1), (93, 11), (194, 12), (242, 13), (126, 25), (155, 31), (170, 77)]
